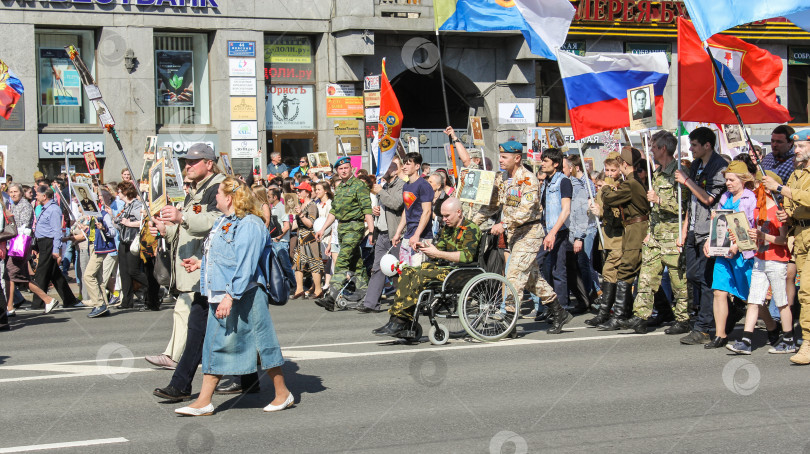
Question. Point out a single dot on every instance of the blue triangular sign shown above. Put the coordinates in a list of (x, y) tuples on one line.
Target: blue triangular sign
[(517, 113)]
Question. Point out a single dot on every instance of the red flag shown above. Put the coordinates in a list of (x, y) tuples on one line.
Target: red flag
[(750, 73), (390, 122)]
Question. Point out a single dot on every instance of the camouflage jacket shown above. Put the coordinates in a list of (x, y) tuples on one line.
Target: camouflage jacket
[(664, 215), (464, 238), (520, 201), (352, 200)]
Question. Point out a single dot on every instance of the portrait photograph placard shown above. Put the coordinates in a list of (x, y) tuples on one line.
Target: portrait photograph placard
[(738, 223), (476, 186), (641, 106), (477, 129), (92, 163), (556, 139), (84, 194), (734, 136), (157, 187), (719, 239)]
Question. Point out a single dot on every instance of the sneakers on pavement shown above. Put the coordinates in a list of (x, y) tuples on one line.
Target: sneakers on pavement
[(696, 338), (739, 347), (783, 347), (49, 307)]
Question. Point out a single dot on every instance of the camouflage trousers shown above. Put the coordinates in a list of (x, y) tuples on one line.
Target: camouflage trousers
[(655, 256), (349, 259), (523, 271), (411, 282)]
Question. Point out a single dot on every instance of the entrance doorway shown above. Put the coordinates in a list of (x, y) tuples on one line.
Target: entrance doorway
[(292, 146)]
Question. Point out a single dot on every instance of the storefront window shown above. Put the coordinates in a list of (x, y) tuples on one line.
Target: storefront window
[(798, 83), (181, 79), (61, 98)]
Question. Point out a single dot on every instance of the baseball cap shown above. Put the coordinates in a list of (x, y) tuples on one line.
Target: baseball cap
[(201, 151), (305, 186)]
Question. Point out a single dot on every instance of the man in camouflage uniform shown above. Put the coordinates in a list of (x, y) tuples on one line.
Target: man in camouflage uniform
[(352, 208), (457, 243), (631, 198), (611, 241), (661, 247), (520, 218)]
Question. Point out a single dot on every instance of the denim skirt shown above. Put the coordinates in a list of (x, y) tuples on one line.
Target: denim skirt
[(233, 344)]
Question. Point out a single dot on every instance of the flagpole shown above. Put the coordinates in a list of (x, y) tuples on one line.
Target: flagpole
[(680, 203), (446, 109), (751, 150), (584, 170), (646, 143)]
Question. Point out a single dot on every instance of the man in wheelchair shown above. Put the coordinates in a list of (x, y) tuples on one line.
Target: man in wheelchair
[(457, 243)]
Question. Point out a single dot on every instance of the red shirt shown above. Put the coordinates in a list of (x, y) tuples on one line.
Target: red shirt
[(770, 251)]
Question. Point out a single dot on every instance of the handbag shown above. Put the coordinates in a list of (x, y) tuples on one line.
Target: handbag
[(277, 285), (19, 245), (163, 262), (10, 229)]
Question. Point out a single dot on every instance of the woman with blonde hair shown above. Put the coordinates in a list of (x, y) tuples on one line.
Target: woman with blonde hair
[(732, 273), (239, 324), (261, 195)]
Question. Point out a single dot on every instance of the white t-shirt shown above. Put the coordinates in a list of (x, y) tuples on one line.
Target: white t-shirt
[(281, 216)]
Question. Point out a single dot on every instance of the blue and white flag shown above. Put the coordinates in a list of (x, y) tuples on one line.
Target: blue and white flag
[(714, 16)]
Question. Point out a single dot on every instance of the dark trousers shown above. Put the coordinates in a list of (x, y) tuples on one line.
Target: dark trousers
[(699, 271), (129, 267), (376, 282), (553, 265), (192, 354), (48, 271), (575, 277), (152, 300)]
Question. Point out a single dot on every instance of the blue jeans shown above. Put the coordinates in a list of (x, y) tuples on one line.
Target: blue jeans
[(553, 265), (699, 272)]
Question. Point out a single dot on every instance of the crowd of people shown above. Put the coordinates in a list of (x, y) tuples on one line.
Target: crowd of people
[(637, 250)]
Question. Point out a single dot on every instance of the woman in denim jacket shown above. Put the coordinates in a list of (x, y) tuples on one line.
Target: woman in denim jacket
[(239, 324)]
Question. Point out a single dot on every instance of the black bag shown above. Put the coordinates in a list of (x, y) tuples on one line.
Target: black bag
[(163, 264), (275, 227), (278, 285), (490, 258)]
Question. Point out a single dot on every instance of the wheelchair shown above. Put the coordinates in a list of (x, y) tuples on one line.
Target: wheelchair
[(469, 301)]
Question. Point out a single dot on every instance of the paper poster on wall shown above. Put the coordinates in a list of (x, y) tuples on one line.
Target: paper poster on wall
[(242, 67), (59, 82), (290, 107), (175, 78)]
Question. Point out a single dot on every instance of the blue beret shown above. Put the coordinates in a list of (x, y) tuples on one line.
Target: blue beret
[(512, 146), (804, 134), (341, 161)]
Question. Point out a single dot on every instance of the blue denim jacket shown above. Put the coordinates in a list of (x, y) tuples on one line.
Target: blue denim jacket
[(231, 261), (553, 206), (582, 221)]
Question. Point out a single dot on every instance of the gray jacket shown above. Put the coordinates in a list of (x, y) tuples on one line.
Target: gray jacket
[(392, 203)]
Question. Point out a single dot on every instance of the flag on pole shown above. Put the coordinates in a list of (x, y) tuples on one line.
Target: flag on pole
[(752, 75), (10, 90), (389, 125), (544, 23), (596, 88), (714, 16)]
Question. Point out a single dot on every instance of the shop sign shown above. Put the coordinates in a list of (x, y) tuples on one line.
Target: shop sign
[(181, 142), (290, 107), (347, 106), (52, 146)]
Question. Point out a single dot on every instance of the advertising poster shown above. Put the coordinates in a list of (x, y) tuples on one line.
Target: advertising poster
[(243, 108), (346, 106), (175, 78), (290, 107), (59, 82), (516, 113)]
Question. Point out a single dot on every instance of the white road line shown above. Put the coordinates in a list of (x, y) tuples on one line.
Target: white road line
[(69, 444), (74, 369)]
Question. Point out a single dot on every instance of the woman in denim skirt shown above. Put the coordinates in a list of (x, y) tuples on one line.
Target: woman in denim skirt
[(239, 324)]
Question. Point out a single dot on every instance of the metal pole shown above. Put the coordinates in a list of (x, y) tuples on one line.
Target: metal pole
[(446, 109), (680, 202), (648, 158), (590, 192)]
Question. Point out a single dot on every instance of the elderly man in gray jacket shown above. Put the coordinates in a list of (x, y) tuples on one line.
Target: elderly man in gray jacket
[(387, 216)]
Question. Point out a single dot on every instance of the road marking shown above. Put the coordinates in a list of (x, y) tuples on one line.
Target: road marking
[(69, 444), (76, 369)]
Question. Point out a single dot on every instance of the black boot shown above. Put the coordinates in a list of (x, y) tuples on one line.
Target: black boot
[(621, 308), (607, 298), (327, 301), (561, 317), (637, 324), (663, 310)]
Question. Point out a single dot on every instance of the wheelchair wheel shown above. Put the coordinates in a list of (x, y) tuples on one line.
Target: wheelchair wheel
[(481, 307), (448, 316), (438, 336), (417, 335)]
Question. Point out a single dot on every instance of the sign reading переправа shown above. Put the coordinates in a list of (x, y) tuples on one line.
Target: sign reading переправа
[(169, 3)]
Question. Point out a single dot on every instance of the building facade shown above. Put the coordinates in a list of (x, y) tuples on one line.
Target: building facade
[(255, 76)]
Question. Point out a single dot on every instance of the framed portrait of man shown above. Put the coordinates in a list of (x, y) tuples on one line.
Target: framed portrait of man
[(225, 158), (476, 186), (738, 223), (719, 238), (734, 136), (556, 139), (157, 187), (85, 197), (92, 163), (641, 107), (477, 129)]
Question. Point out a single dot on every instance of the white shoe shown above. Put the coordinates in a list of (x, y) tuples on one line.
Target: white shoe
[(51, 306), (287, 404), (207, 410)]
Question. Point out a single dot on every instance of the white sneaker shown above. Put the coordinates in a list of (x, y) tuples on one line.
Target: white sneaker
[(51, 306), (207, 410), (286, 404)]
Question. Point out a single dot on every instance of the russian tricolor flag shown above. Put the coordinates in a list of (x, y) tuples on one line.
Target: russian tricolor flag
[(596, 88)]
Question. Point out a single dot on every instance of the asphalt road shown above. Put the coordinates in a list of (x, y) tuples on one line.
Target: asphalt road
[(66, 379)]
